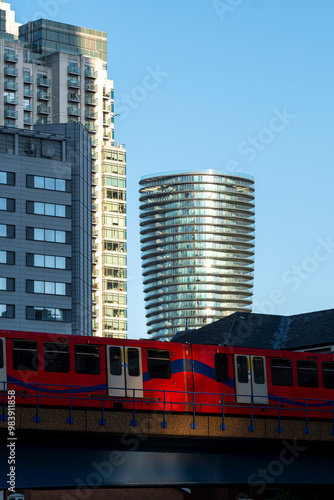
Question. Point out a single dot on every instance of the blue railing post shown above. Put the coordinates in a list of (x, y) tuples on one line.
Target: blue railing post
[(193, 425), (306, 430), (332, 429), (70, 419), (279, 427), (164, 423), (102, 420), (251, 428), (222, 425), (133, 422), (37, 418), (3, 417)]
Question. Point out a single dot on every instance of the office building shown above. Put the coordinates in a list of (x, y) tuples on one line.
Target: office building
[(57, 73), (197, 237), (45, 229)]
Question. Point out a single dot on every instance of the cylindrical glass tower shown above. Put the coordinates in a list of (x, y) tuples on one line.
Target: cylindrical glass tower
[(197, 237)]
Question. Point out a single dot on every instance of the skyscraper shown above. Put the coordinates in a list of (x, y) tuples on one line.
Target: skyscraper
[(57, 73), (197, 237)]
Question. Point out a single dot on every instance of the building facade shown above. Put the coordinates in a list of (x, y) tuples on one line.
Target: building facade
[(197, 240), (45, 229), (57, 73)]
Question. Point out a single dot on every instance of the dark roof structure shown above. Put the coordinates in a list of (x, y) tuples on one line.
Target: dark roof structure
[(266, 331)]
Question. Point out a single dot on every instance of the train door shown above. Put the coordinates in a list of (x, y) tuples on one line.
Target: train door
[(124, 371), (3, 367), (250, 379)]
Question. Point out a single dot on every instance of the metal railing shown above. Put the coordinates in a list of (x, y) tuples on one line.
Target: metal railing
[(166, 401)]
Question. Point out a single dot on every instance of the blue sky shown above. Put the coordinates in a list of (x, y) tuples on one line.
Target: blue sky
[(239, 85)]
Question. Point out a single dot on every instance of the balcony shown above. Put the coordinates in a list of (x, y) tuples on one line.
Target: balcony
[(73, 97), (10, 71), (27, 120), (11, 113), (43, 96), (91, 127), (11, 85), (43, 120), (90, 114), (73, 69), (90, 73), (28, 92), (106, 109), (43, 82), (9, 124), (42, 109), (11, 100), (90, 87), (73, 119), (28, 107), (106, 95), (74, 110), (73, 82), (28, 79), (90, 101), (10, 57)]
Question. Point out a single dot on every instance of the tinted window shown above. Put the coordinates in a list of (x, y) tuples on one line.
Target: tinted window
[(133, 362), (56, 357), (1, 355), (25, 355), (221, 367), (281, 372), (328, 375), (258, 370), (158, 363), (242, 365), (307, 374), (87, 359), (115, 358)]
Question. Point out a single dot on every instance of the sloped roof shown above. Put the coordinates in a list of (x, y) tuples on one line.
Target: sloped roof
[(266, 331)]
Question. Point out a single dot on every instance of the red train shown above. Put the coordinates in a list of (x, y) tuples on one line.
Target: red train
[(148, 375)]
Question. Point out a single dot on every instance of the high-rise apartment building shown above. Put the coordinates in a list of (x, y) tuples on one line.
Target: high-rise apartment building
[(45, 229), (57, 73), (197, 237)]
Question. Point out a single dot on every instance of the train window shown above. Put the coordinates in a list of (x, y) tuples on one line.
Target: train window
[(25, 355), (258, 370), (281, 372), (158, 363), (115, 357), (1, 354), (221, 367), (328, 375), (87, 359), (133, 362), (242, 364), (307, 373), (56, 357)]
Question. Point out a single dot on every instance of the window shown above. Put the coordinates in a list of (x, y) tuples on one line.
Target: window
[(49, 261), (34, 233), (25, 355), (56, 357), (87, 359), (242, 368), (7, 311), (133, 362), (7, 204), (50, 209), (7, 231), (258, 370), (158, 363), (115, 358), (50, 183), (7, 284), (1, 354), (221, 367), (307, 373), (328, 375), (7, 178), (48, 287), (48, 314), (281, 372), (7, 257)]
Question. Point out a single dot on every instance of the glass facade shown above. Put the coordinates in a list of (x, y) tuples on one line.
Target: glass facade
[(197, 243)]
